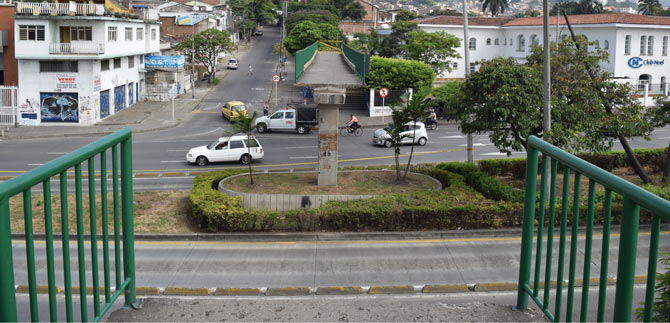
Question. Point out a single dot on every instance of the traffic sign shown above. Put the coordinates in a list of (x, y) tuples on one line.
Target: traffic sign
[(275, 78), (383, 92)]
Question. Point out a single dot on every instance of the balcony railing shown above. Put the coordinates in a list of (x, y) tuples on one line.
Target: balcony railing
[(57, 9), (76, 48)]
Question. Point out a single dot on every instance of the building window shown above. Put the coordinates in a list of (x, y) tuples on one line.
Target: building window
[(510, 42), (643, 45), (662, 83), (607, 44), (472, 44), (521, 43), (117, 63), (496, 42), (153, 33), (111, 33), (488, 41), (81, 33), (131, 61), (129, 34), (141, 60), (59, 66), (534, 40), (104, 65), (626, 48), (505, 42), (665, 45), (597, 44), (140, 34), (31, 32), (472, 67), (650, 46), (455, 66)]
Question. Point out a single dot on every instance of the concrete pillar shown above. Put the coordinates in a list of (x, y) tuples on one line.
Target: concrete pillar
[(329, 100), (646, 94), (665, 89)]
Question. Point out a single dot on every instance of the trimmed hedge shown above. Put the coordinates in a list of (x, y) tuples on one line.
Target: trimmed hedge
[(488, 186), (515, 167), (216, 211)]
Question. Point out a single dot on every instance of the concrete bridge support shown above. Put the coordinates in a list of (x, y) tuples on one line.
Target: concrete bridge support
[(329, 100)]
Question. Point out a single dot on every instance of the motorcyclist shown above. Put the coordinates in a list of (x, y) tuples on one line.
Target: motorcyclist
[(432, 117)]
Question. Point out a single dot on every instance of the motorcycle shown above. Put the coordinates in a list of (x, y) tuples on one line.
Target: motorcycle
[(431, 124)]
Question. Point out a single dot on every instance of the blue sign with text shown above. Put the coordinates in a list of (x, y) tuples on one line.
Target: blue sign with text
[(164, 61), (637, 62)]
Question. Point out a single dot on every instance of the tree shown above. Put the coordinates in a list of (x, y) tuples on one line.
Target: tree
[(405, 15), (528, 13), (307, 32), (245, 124), (495, 7), (393, 45), (582, 7), (350, 9), (649, 7), (659, 116), (661, 311), (398, 74), (394, 130), (208, 45), (317, 16), (250, 13), (445, 12), (416, 111), (434, 49)]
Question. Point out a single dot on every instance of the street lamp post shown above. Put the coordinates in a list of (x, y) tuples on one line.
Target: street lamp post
[(193, 62), (466, 56)]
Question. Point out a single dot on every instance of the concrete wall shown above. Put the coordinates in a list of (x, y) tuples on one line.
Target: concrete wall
[(285, 202)]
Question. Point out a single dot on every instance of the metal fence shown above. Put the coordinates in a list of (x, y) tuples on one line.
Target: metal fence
[(123, 228), (304, 57), (8, 105), (634, 198), (360, 60)]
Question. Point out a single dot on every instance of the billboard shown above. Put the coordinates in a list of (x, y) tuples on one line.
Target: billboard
[(189, 20), (164, 61)]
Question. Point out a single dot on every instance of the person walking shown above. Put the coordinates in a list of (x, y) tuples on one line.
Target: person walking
[(251, 71), (265, 109)]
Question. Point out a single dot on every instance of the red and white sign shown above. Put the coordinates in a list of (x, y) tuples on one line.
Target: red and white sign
[(383, 92), (275, 78), (64, 81)]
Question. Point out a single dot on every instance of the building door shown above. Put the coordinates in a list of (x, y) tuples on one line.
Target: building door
[(104, 104), (137, 92), (644, 79), (65, 35), (119, 98), (130, 94)]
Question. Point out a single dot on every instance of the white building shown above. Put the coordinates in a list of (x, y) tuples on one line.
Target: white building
[(637, 45), (79, 63)]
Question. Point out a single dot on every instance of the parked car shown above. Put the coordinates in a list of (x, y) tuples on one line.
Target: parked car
[(224, 149), (300, 120), (233, 63), (232, 110), (381, 136), (259, 31)]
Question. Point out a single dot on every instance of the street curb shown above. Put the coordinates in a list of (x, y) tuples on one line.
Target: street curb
[(326, 291)]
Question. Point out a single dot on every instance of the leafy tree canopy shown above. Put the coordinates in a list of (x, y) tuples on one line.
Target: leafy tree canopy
[(528, 13), (250, 13), (398, 74), (581, 7), (445, 12), (649, 7), (495, 7), (405, 15), (307, 32), (393, 45), (208, 45), (317, 16), (350, 9), (434, 49)]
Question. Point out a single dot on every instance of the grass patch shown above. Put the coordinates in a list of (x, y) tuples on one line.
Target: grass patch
[(164, 211), (349, 183)]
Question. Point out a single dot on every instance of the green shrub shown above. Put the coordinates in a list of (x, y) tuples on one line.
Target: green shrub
[(445, 177), (490, 187), (515, 167), (216, 211)]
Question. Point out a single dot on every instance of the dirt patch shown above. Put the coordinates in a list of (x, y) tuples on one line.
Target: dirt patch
[(348, 183), (164, 211)]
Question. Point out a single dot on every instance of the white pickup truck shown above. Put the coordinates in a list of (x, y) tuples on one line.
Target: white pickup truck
[(300, 120)]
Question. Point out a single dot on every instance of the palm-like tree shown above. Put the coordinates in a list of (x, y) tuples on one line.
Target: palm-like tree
[(416, 110), (648, 7), (495, 7), (245, 124)]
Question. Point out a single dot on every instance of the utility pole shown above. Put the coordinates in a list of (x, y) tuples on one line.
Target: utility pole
[(193, 61), (466, 52), (547, 70)]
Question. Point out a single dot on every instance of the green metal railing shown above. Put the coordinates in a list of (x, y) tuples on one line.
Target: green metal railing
[(123, 228), (634, 198), (303, 56), (360, 60)]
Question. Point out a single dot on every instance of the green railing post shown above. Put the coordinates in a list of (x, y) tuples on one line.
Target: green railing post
[(528, 222), (625, 276), (127, 218), (8, 303)]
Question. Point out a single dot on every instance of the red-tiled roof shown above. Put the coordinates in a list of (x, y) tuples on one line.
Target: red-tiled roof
[(458, 20), (602, 18)]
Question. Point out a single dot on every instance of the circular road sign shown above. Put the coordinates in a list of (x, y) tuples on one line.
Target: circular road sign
[(383, 92), (275, 78)]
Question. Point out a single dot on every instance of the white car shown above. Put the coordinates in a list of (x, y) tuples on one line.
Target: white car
[(233, 63), (226, 149), (381, 136)]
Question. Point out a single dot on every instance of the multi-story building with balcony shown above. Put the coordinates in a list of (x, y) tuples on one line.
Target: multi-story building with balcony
[(80, 62)]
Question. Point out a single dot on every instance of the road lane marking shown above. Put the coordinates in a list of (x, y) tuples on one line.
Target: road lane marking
[(204, 112), (179, 150), (308, 157), (257, 89), (501, 154), (477, 144), (202, 133), (173, 161), (452, 137), (56, 153), (34, 164), (301, 147)]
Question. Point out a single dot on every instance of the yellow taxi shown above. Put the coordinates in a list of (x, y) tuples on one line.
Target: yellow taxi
[(232, 109)]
